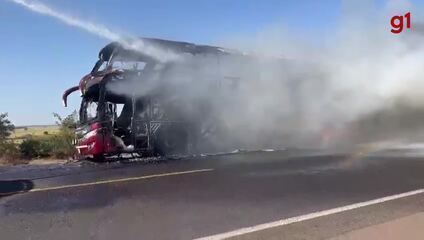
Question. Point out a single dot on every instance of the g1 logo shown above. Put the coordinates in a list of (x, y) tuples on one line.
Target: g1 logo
[(398, 21)]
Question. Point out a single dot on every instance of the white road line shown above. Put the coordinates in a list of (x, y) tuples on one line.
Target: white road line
[(119, 180), (309, 216)]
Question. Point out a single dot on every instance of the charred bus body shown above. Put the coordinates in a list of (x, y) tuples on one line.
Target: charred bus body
[(131, 104)]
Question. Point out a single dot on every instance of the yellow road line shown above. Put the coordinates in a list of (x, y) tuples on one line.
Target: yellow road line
[(119, 180)]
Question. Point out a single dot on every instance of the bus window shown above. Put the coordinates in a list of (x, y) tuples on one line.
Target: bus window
[(91, 110), (128, 65), (88, 111)]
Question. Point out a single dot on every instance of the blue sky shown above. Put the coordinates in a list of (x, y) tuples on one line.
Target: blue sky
[(41, 57)]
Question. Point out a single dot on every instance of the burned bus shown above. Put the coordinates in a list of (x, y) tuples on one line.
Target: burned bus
[(133, 103)]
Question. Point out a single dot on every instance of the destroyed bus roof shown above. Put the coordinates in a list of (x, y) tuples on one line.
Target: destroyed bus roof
[(118, 49)]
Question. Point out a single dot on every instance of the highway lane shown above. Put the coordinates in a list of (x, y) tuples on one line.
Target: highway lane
[(202, 196)]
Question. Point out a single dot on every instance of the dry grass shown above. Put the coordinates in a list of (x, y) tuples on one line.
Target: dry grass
[(21, 133), (12, 161)]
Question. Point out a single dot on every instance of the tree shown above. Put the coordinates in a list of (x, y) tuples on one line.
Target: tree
[(6, 127), (63, 141), (69, 122)]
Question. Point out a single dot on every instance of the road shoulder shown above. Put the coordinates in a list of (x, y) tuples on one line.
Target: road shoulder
[(336, 225)]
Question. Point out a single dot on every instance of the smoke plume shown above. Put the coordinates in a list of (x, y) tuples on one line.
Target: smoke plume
[(361, 84)]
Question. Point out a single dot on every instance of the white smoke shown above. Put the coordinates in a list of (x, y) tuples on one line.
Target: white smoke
[(363, 83), (99, 30)]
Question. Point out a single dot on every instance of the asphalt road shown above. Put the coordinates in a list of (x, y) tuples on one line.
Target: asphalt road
[(204, 196)]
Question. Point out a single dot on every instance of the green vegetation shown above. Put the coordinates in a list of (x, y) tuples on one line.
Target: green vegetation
[(6, 127), (8, 150), (34, 142)]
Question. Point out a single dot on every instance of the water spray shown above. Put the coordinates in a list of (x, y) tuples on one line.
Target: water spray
[(99, 30)]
